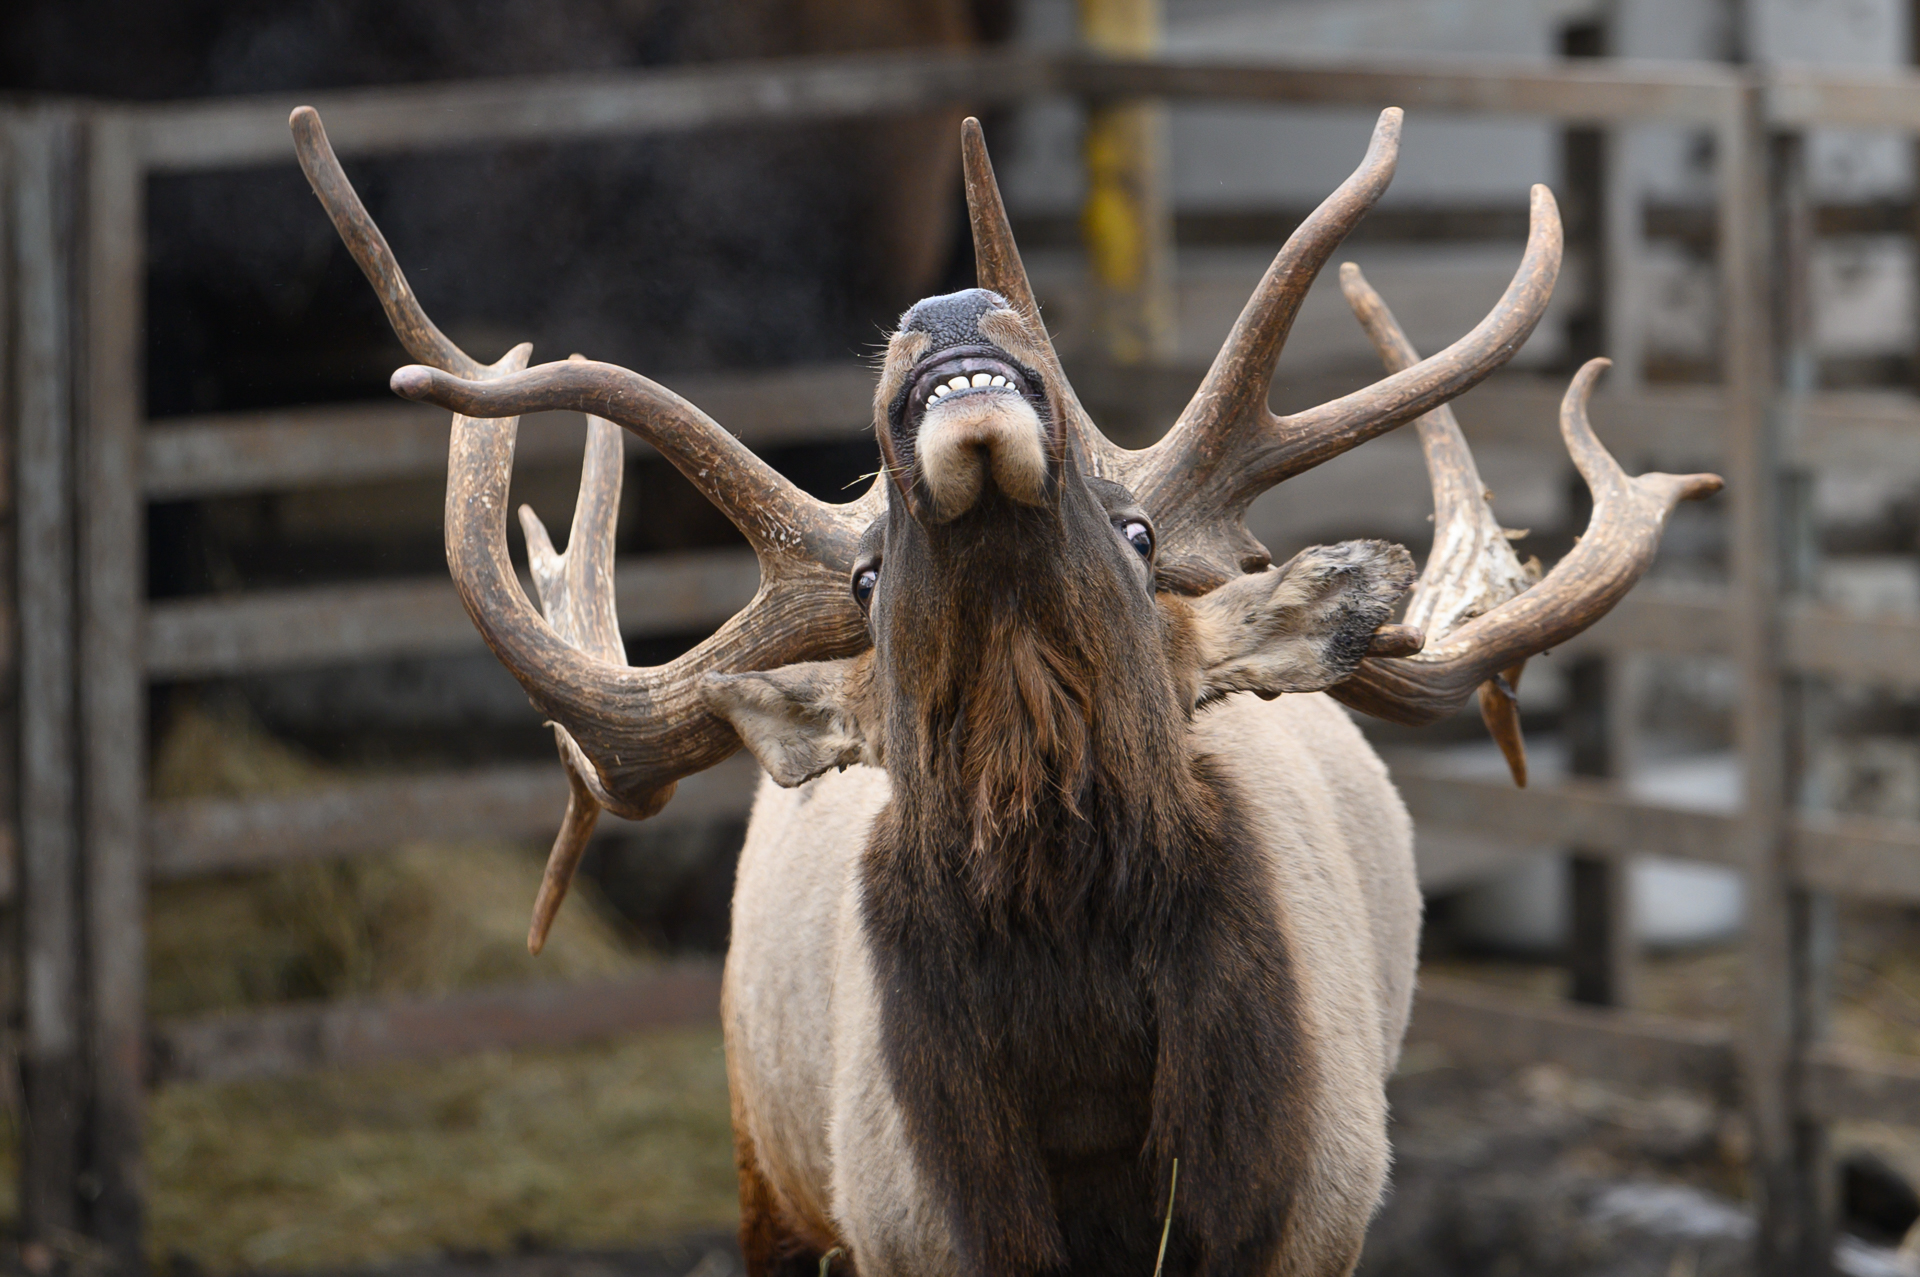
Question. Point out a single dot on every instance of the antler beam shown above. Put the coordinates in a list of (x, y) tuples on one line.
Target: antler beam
[(627, 735), (1629, 514)]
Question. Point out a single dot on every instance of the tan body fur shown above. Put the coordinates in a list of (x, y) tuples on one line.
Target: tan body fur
[(811, 1108)]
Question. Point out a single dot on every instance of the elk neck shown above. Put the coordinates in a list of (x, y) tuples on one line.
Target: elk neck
[(1037, 742)]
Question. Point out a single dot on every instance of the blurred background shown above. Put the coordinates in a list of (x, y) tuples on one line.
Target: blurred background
[(273, 853)]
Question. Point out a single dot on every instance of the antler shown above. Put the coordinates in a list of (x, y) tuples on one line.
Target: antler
[(1472, 567), (1482, 611), (1478, 606), (627, 734), (1227, 447)]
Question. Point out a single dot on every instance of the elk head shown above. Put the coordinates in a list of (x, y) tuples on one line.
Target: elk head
[(1112, 586)]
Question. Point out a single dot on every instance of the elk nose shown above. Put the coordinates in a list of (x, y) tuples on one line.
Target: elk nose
[(980, 434)]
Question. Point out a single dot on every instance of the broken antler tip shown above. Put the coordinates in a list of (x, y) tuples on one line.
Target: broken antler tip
[(415, 381)]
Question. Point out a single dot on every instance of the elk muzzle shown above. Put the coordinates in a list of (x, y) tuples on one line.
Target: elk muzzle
[(969, 412)]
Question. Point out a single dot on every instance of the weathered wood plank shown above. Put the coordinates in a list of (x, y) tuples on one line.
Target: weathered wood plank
[(362, 443), (675, 593), (1803, 98), (43, 152), (113, 701), (1586, 93), (1848, 1084), (359, 443), (253, 130), (1479, 1025), (1592, 815), (1672, 620), (1859, 858), (523, 800), (359, 1033)]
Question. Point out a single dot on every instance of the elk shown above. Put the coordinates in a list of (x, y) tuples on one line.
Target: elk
[(1046, 938)]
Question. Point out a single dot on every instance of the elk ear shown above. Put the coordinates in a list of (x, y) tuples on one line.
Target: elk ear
[(798, 720), (1301, 627)]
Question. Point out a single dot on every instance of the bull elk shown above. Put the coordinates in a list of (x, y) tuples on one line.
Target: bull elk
[(1044, 938)]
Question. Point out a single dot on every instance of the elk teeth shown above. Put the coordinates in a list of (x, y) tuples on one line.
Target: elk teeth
[(982, 378), (998, 381), (959, 383), (941, 392)]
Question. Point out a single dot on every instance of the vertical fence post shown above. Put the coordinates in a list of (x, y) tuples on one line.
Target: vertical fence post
[(1599, 949), (112, 706), (1622, 249), (44, 162), (1600, 943), (1790, 1175), (1127, 220)]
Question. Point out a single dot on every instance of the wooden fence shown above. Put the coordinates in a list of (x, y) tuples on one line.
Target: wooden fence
[(84, 642)]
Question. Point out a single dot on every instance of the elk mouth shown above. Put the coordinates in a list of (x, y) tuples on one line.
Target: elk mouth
[(934, 380), (967, 413)]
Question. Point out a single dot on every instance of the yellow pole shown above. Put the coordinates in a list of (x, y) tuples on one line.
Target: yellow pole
[(1127, 221)]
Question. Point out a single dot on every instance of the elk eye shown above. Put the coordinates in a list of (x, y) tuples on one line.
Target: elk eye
[(1139, 536), (863, 582)]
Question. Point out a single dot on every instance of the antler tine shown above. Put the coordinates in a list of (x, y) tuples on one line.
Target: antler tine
[(996, 258), (1304, 440), (576, 594), (997, 266), (1206, 483), (627, 735), (1622, 537), (1231, 403), (1472, 567), (777, 518), (632, 732), (422, 338)]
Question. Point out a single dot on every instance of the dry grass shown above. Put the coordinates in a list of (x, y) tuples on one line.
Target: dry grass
[(422, 918), (602, 1146), (605, 1146)]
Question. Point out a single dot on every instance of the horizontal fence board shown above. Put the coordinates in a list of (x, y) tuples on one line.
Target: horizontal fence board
[(361, 1032), (1854, 857), (1612, 91), (230, 453), (1480, 1025), (1474, 1024), (1859, 858), (682, 592), (1588, 814), (1477, 1024), (516, 801), (1837, 644), (1660, 618), (1845, 1083), (1807, 99), (1674, 427), (543, 109)]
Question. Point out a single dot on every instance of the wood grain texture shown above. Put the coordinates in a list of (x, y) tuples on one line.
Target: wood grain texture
[(43, 154), (358, 1033), (256, 630), (113, 702)]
